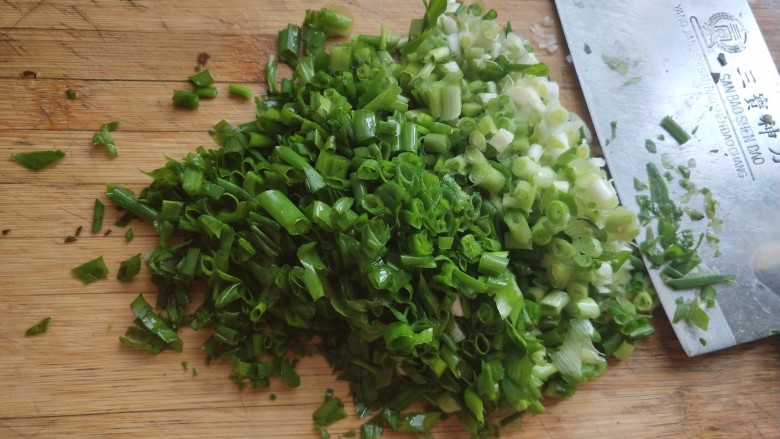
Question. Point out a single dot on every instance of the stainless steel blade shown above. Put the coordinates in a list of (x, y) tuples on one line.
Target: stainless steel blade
[(705, 63)]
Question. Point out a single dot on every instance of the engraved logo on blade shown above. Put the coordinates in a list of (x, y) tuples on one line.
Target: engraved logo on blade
[(725, 31)]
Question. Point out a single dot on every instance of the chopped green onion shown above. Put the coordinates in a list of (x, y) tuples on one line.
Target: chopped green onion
[(38, 328), (332, 22), (708, 295), (675, 130), (155, 324), (97, 216), (289, 45), (699, 280), (103, 137), (124, 198), (129, 268), (91, 271), (71, 94), (284, 212), (240, 90), (690, 312), (424, 207), (37, 160), (623, 351), (202, 79), (618, 64), (185, 99), (206, 92), (331, 410), (270, 75)]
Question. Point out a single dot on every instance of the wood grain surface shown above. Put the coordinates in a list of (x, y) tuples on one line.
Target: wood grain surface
[(124, 58)]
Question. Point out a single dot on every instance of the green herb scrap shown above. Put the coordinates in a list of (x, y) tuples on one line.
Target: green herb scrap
[(203, 87), (331, 410), (691, 312), (91, 271), (240, 90), (104, 138), (411, 213), (154, 333), (97, 215), (185, 99), (37, 160), (38, 328), (129, 268), (675, 130)]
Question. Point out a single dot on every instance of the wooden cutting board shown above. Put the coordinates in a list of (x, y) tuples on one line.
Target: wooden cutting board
[(124, 58)]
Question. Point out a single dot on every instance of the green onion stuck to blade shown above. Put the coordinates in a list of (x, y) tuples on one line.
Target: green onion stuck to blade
[(420, 210), (674, 250)]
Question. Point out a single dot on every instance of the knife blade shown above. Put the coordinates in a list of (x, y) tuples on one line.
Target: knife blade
[(705, 64)]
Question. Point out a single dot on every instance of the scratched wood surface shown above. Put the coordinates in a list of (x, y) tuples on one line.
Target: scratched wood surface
[(124, 58)]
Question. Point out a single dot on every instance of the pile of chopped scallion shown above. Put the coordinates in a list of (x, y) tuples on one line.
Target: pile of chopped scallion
[(421, 209)]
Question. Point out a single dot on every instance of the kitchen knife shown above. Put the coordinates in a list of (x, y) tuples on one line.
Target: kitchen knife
[(705, 64)]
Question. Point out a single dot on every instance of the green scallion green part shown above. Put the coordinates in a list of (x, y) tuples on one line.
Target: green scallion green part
[(487, 177), (97, 216), (37, 160), (284, 212), (129, 268), (155, 323), (699, 280), (185, 99), (202, 79), (332, 22), (129, 235), (206, 92), (71, 94), (289, 44), (331, 410), (690, 312), (340, 58), (623, 351), (38, 328), (587, 49), (554, 302), (675, 130), (270, 75), (91, 271), (126, 199), (240, 90), (103, 137), (708, 295)]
